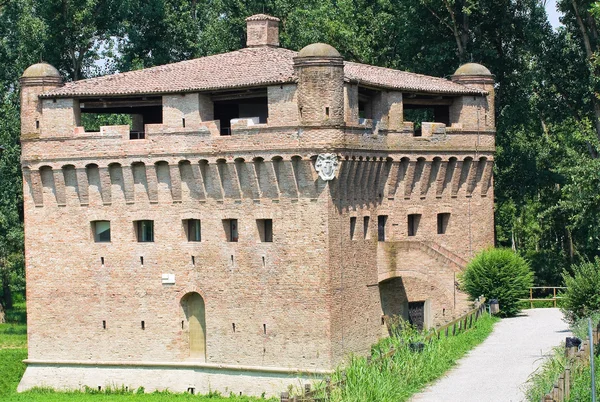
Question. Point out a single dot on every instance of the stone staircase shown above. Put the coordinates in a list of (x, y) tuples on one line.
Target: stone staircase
[(436, 251)]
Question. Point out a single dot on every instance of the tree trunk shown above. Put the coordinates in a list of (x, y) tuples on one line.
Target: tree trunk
[(6, 299), (2, 317), (589, 51)]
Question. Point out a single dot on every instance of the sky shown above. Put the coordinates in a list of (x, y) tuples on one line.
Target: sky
[(553, 15)]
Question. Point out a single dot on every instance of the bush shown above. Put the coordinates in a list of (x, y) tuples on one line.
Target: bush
[(582, 296), (498, 274)]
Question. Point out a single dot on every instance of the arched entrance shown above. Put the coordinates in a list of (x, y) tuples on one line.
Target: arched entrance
[(193, 308)]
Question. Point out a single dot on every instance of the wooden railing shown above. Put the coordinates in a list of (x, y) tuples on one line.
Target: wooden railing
[(554, 298), (561, 389), (452, 328)]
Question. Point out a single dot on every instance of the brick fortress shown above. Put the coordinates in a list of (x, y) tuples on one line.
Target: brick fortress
[(262, 216)]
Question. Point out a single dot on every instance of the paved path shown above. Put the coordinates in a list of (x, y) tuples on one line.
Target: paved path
[(497, 370)]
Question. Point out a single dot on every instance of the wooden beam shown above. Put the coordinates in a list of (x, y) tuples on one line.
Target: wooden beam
[(427, 102)]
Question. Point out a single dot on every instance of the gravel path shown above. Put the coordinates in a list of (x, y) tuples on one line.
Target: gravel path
[(497, 370)]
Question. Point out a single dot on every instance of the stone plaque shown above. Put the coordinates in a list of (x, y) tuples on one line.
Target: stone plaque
[(326, 166)]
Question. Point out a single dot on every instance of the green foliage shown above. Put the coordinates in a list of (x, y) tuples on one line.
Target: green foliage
[(581, 381), (498, 274), (397, 378), (582, 296), (543, 379), (93, 121)]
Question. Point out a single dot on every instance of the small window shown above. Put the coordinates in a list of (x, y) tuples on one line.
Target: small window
[(352, 227), (413, 224), (366, 220), (381, 221), (144, 231), (231, 229), (101, 230), (193, 230), (265, 230), (442, 223)]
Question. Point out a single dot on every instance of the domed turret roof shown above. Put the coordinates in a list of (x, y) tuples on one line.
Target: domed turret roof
[(472, 69), (41, 70), (319, 50)]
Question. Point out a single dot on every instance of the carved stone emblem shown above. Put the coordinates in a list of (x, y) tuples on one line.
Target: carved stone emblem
[(326, 166)]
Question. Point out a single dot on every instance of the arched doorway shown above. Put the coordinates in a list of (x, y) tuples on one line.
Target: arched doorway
[(193, 308)]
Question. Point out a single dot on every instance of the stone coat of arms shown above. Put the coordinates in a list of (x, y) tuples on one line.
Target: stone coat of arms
[(326, 166)]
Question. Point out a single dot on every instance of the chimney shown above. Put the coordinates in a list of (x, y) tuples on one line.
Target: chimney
[(262, 30)]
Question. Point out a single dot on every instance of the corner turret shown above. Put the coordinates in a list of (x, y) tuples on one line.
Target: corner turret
[(36, 79), (320, 71), (468, 113)]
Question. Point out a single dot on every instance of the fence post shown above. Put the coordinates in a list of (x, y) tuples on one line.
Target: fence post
[(555, 393), (530, 297), (471, 321), (328, 387), (567, 383), (554, 296), (285, 397), (307, 389), (561, 387), (547, 398), (454, 329)]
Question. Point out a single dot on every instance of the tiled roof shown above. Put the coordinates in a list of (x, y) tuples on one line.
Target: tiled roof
[(262, 17), (402, 80), (249, 67)]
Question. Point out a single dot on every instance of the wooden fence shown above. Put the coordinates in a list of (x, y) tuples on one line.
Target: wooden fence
[(561, 389), (462, 323), (554, 299)]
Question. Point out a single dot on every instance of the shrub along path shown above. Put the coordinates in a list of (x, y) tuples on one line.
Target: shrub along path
[(497, 369)]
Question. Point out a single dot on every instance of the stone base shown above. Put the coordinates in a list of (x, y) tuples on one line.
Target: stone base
[(175, 377)]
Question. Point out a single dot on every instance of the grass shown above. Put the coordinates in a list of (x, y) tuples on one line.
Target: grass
[(581, 390), (400, 376), (543, 379)]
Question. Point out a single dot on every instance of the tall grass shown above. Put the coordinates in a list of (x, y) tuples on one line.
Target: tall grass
[(406, 372), (543, 379), (581, 390)]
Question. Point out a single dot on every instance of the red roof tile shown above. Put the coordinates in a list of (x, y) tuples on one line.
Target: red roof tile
[(250, 67)]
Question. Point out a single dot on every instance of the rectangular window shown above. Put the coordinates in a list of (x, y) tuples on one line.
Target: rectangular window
[(193, 230), (231, 229), (366, 220), (413, 224), (144, 231), (101, 230), (265, 230), (381, 221), (352, 227), (442, 222)]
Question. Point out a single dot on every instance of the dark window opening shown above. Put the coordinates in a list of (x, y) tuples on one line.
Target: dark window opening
[(194, 230), (418, 109), (37, 124), (365, 102), (135, 112), (183, 122), (101, 230), (413, 224), (442, 222), (240, 105), (366, 220), (144, 231), (327, 111), (352, 227), (231, 230), (265, 230), (381, 222)]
